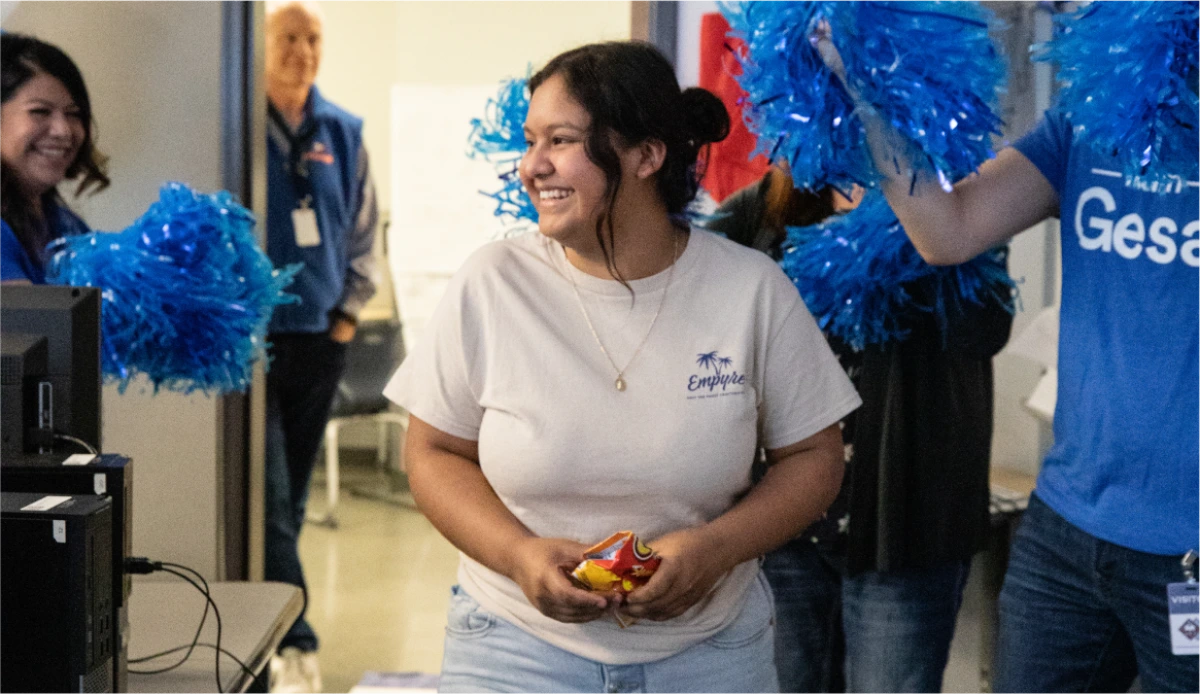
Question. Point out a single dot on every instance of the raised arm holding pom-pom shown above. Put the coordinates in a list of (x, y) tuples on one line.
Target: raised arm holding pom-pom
[(1115, 509), (1007, 196)]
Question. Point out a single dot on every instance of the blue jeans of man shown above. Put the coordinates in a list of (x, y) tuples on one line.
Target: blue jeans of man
[(301, 383), (1078, 614), (878, 631)]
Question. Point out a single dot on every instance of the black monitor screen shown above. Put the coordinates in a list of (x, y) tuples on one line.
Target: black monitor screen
[(69, 319)]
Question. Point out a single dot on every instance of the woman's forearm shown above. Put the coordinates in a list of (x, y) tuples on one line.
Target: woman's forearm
[(798, 487), (454, 495)]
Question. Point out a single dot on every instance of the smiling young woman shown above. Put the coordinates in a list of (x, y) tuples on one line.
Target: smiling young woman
[(558, 398), (45, 138)]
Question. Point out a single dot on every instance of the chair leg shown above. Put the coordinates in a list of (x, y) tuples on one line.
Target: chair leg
[(383, 447), (329, 520), (332, 482), (391, 426)]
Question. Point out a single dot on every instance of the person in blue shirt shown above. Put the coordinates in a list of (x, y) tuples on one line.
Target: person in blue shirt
[(321, 214), (45, 138), (1084, 605)]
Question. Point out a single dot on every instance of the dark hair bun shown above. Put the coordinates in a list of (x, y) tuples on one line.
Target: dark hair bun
[(706, 115), (629, 88)]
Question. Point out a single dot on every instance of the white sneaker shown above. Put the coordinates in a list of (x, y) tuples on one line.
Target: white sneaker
[(295, 672), (310, 667)]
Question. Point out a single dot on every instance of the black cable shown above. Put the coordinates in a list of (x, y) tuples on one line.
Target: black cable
[(59, 436), (142, 565), (190, 648), (216, 613), (245, 668)]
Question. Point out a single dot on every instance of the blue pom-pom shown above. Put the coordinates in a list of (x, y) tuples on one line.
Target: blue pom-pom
[(1128, 73), (187, 293), (499, 138), (929, 68), (794, 104), (852, 271), (934, 73)]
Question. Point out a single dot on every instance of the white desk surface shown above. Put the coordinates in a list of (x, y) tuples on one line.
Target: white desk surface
[(164, 614)]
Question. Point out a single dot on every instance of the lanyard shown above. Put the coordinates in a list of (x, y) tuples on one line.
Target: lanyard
[(1188, 564), (298, 144)]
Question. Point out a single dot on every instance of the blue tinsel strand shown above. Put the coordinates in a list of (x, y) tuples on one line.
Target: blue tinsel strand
[(499, 138), (1128, 72), (852, 271), (929, 68), (187, 293), (794, 104)]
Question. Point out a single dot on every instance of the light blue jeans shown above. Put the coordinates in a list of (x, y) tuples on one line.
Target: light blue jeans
[(487, 654)]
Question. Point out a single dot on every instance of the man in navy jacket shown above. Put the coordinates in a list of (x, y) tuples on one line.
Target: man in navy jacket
[(321, 214)]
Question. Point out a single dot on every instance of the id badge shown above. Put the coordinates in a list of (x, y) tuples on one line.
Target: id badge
[(304, 221), (1184, 608)]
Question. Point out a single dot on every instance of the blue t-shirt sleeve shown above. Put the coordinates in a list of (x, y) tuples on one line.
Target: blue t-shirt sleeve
[(14, 261), (1048, 146)]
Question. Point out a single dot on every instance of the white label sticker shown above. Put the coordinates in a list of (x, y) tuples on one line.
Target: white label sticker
[(308, 234), (79, 459), (60, 531), (45, 503), (100, 483)]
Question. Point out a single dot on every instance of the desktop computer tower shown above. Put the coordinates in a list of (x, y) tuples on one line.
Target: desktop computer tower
[(23, 368), (106, 475), (56, 628)]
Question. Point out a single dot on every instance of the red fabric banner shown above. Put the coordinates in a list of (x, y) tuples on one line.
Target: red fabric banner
[(729, 165)]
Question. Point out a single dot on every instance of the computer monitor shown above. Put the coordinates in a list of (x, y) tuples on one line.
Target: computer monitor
[(69, 319)]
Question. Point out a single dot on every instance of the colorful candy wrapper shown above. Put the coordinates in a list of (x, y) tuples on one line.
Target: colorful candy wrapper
[(619, 564)]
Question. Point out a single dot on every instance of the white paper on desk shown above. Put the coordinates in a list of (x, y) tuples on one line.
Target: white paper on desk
[(1045, 394), (1038, 342)]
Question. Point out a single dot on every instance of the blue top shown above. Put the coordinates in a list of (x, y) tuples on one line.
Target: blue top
[(323, 165), (1124, 463), (15, 263)]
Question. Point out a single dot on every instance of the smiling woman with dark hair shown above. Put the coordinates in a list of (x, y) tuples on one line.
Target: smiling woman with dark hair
[(618, 371), (45, 138)]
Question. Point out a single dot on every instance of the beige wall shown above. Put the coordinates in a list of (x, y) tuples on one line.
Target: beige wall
[(474, 42), (369, 46), (358, 67)]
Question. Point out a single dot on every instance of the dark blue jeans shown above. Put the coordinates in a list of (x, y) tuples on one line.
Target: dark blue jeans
[(874, 632), (301, 383), (1078, 614)]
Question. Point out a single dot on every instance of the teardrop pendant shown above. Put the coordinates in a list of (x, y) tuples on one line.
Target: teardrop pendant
[(620, 384)]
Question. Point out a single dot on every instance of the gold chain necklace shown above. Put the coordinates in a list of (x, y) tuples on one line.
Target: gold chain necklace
[(620, 382)]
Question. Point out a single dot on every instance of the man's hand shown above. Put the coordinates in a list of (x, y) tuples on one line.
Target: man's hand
[(541, 566), (692, 562), (342, 330)]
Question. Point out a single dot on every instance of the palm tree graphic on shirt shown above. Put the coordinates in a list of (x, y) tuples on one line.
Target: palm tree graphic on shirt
[(710, 360)]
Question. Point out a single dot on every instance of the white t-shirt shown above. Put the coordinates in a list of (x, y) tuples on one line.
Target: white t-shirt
[(734, 359)]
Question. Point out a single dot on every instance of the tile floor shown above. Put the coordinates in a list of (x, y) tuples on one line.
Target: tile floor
[(380, 586)]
